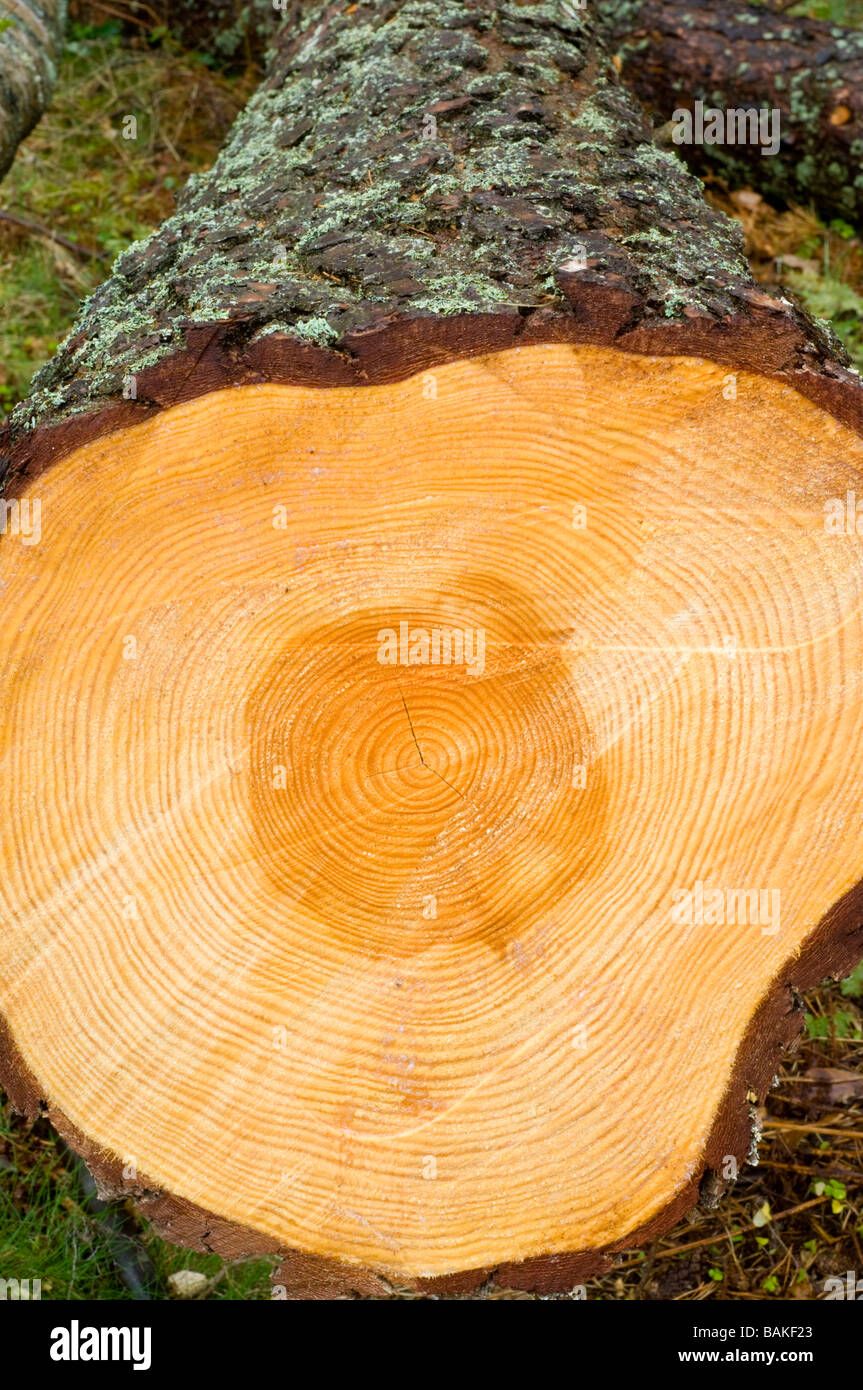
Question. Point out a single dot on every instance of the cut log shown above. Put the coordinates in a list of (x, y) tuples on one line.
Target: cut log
[(431, 707), (31, 40), (738, 56)]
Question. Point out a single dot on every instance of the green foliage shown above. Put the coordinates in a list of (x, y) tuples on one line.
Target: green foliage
[(852, 988), (841, 1024), (842, 229), (832, 299), (80, 35), (816, 1027), (845, 1025), (846, 12), (832, 1188)]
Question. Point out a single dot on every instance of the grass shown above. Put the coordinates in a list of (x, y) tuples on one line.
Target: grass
[(47, 1232), (787, 1224), (77, 175)]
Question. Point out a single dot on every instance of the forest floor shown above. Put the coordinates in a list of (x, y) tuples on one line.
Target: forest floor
[(786, 1225)]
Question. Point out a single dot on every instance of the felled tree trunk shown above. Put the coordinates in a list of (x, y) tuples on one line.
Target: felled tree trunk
[(730, 55), (431, 645), (31, 40)]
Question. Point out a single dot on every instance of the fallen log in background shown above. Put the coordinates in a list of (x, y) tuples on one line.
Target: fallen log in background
[(673, 53), (31, 40), (316, 943), (729, 55)]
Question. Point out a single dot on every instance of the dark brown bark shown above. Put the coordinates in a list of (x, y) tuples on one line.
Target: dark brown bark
[(31, 40), (677, 52)]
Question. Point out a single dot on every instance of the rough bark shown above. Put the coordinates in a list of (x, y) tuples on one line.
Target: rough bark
[(416, 182), (676, 52), (403, 167), (31, 40)]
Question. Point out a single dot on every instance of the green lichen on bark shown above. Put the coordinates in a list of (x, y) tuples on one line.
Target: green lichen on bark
[(414, 157)]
